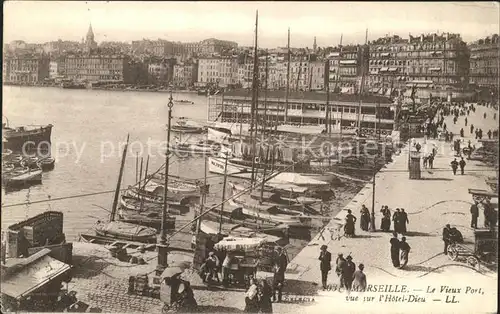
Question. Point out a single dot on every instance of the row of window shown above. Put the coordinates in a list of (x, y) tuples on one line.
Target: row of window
[(417, 46)]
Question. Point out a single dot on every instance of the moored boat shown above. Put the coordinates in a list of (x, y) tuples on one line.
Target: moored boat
[(46, 163), (17, 139), (178, 202), (125, 231), (184, 101), (133, 204), (22, 176), (185, 149), (148, 218), (182, 126)]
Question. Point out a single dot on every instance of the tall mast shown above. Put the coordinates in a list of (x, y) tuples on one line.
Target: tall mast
[(255, 95), (287, 77), (265, 96), (362, 82), (118, 184), (338, 64)]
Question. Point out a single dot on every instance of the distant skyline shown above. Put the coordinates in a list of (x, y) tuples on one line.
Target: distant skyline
[(235, 21)]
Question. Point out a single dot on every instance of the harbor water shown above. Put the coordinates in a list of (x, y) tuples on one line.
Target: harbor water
[(89, 126)]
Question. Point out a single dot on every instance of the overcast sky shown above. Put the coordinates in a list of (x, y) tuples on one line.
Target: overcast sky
[(193, 21)]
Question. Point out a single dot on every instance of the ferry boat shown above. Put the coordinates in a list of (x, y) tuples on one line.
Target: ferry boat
[(37, 136)]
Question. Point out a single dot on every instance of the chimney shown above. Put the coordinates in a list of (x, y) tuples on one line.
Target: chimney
[(422, 38)]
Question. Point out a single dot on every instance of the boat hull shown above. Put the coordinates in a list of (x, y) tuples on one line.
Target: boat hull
[(22, 179), (126, 231), (217, 165), (38, 139), (151, 219), (134, 205)]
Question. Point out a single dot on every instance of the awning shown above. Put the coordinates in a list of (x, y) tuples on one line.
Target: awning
[(392, 69), (384, 69), (350, 62), (435, 69), (33, 276)]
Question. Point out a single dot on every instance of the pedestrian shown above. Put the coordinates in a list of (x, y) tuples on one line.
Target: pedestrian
[(279, 273), (454, 166), (462, 165), (455, 120), (339, 265), (466, 118), (385, 225), (395, 249), (426, 159), (226, 264), (396, 221), (474, 211), (447, 237), (359, 283), (418, 147), (265, 294), (484, 115), (350, 224), (325, 258), (365, 218), (405, 251), (251, 297), (471, 128), (403, 220), (348, 272), (431, 160), (212, 263), (495, 116), (487, 211), (480, 134), (489, 134), (444, 127), (462, 132)]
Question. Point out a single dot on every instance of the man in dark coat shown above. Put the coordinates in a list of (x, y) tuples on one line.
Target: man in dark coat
[(462, 132), (325, 258), (396, 218), (348, 272), (489, 134), (279, 273), (471, 128), (447, 238), (395, 250), (385, 225), (454, 166), (474, 211), (462, 165), (466, 118), (403, 221), (338, 268)]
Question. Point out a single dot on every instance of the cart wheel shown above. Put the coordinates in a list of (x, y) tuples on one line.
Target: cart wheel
[(473, 262), (452, 252)]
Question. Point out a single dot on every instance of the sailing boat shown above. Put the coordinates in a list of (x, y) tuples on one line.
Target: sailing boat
[(123, 230)]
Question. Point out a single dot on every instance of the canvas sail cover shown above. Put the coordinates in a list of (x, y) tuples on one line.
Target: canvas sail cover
[(237, 244)]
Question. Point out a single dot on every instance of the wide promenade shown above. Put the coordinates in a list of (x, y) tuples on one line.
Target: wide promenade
[(437, 199)]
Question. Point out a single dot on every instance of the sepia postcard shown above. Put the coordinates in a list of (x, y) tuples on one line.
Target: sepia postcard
[(250, 156)]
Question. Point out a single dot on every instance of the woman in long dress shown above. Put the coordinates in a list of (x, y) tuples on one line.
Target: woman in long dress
[(251, 297), (405, 251), (350, 224)]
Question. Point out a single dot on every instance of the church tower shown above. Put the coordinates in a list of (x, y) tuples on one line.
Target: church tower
[(90, 42)]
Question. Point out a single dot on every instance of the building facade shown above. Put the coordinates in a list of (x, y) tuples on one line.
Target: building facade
[(26, 69), (485, 63), (185, 75), (222, 71), (438, 61), (345, 66), (95, 68), (57, 68)]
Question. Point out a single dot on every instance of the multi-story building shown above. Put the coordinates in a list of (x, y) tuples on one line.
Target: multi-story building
[(158, 72), (212, 45), (61, 46), (25, 68), (317, 75), (440, 61), (484, 63), (57, 68), (185, 74), (116, 46), (95, 68), (218, 70), (345, 67)]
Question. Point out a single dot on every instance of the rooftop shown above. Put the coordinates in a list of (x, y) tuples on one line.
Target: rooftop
[(310, 96)]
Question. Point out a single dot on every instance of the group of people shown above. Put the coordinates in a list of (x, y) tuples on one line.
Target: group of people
[(349, 277), (258, 297), (455, 164), (400, 250), (490, 215), (399, 218)]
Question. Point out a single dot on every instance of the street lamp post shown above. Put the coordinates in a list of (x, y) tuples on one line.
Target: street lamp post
[(163, 245), (372, 218)]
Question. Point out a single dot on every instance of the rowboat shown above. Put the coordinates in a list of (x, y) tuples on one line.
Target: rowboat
[(125, 231), (22, 176), (148, 218), (154, 193), (181, 206), (279, 198), (178, 186), (46, 163), (29, 161), (132, 204)]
